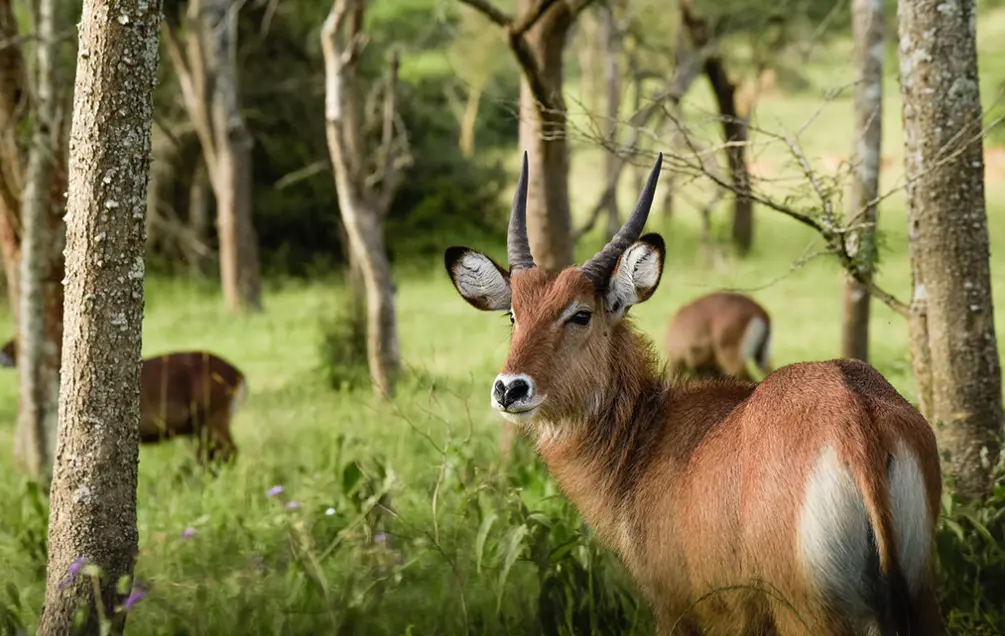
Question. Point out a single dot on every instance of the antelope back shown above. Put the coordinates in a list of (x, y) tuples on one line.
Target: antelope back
[(716, 334), (181, 390)]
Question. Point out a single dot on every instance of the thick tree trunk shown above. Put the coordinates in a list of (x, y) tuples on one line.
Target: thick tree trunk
[(40, 311), (867, 28), (543, 136), (362, 206), (12, 96), (239, 267), (949, 233), (93, 494)]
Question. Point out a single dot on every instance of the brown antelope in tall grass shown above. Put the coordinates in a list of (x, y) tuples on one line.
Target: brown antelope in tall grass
[(723, 333), (806, 504), (184, 394)]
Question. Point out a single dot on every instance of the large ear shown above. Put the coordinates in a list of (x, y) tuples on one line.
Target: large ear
[(637, 274), (478, 279)]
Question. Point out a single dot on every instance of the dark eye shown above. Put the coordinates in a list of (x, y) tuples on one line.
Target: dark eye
[(580, 318)]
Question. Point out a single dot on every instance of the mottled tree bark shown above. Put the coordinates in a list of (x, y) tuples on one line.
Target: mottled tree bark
[(867, 30), (93, 494), (361, 204), (948, 235), (537, 37), (40, 311)]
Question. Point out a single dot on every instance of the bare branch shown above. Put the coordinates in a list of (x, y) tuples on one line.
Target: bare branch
[(527, 21), (490, 11)]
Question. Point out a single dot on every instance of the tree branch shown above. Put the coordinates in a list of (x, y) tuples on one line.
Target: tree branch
[(490, 11)]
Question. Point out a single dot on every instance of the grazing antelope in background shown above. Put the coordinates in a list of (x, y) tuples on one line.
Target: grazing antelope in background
[(720, 334), (806, 504), (184, 394)]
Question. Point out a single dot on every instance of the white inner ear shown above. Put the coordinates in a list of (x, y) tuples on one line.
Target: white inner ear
[(478, 279), (637, 271)]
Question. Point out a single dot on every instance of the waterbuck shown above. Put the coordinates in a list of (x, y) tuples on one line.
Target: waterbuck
[(723, 333), (184, 394), (805, 504)]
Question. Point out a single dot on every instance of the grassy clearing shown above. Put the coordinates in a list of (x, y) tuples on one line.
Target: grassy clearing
[(456, 542)]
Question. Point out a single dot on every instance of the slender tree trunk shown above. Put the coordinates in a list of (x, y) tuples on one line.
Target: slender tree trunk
[(543, 135), (588, 31), (949, 234), (239, 267), (199, 212), (612, 82), (12, 103), (361, 205), (40, 315), (734, 128), (868, 29), (470, 116)]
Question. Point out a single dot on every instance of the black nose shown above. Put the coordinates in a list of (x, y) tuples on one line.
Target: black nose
[(507, 395)]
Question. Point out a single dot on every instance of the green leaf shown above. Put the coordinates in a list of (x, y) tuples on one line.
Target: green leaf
[(13, 595), (483, 534), (124, 585), (955, 527), (511, 551)]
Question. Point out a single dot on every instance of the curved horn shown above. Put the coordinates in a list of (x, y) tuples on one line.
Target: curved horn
[(517, 245), (598, 269)]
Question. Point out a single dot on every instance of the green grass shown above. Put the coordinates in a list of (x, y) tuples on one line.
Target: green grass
[(248, 563)]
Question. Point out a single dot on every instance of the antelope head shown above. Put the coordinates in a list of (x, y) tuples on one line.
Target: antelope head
[(569, 327)]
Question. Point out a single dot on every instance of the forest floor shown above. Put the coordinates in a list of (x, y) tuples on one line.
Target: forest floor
[(253, 566)]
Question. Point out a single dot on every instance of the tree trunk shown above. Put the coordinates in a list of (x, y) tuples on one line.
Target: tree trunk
[(867, 28), (239, 267), (543, 136), (949, 234), (470, 116), (93, 494), (609, 37), (199, 211), (40, 311), (361, 205), (12, 93), (734, 128)]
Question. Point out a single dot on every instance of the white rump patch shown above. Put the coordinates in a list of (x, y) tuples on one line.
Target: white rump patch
[(477, 278), (834, 533), (755, 332), (910, 514), (637, 273)]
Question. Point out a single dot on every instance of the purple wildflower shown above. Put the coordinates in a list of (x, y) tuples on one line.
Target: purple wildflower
[(135, 597), (275, 490), (380, 537), (72, 572), (293, 505), (188, 533)]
